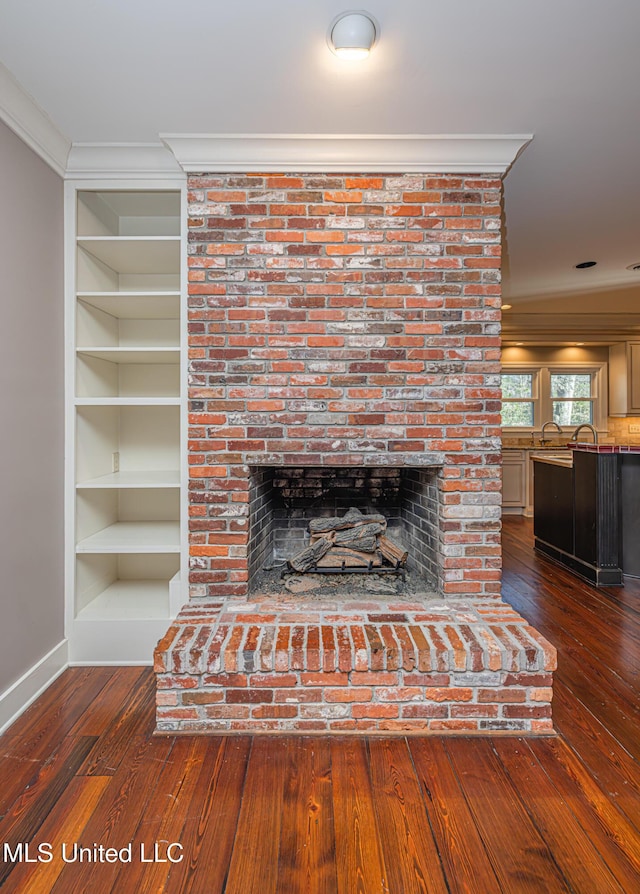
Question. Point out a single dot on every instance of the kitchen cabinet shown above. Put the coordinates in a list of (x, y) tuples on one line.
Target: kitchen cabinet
[(126, 516), (577, 514), (517, 480), (630, 487), (624, 379), (514, 481), (553, 521)]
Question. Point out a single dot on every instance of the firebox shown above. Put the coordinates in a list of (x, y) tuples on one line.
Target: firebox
[(283, 500)]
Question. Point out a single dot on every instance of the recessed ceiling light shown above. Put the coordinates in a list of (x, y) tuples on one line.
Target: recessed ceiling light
[(578, 344), (519, 344), (505, 307), (634, 267), (584, 264)]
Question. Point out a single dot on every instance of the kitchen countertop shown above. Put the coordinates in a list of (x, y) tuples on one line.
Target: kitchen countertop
[(528, 444), (555, 459), (564, 457), (606, 448), (559, 446)]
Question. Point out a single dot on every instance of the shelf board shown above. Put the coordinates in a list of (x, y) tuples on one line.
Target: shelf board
[(127, 401), (135, 479), (133, 355), (135, 305), (129, 205), (135, 254), (134, 537), (129, 600)]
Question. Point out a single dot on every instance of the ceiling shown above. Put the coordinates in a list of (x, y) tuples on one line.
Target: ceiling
[(567, 71)]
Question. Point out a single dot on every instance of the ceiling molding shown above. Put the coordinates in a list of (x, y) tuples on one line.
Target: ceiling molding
[(121, 161), (620, 281), (26, 119), (404, 153), (567, 328), (569, 321)]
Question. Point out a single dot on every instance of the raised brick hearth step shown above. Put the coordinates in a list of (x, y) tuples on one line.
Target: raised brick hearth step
[(290, 665)]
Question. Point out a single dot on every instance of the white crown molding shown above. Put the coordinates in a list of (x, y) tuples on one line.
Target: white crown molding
[(622, 283), (26, 119), (439, 153), (611, 319), (549, 328), (121, 161)]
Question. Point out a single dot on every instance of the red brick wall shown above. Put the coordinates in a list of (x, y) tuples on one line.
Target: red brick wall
[(344, 319)]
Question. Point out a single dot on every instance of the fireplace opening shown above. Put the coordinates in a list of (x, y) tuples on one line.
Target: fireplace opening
[(284, 500)]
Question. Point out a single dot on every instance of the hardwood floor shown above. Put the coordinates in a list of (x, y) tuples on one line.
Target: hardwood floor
[(345, 815)]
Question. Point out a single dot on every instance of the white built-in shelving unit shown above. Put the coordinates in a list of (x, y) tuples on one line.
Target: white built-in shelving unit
[(125, 508)]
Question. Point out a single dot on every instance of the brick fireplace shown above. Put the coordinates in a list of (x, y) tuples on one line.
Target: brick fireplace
[(344, 350)]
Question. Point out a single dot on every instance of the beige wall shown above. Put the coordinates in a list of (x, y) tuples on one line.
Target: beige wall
[(32, 378)]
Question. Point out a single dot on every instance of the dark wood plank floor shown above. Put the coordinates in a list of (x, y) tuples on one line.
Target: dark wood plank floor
[(345, 815)]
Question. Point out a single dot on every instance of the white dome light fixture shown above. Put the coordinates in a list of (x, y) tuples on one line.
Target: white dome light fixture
[(352, 35)]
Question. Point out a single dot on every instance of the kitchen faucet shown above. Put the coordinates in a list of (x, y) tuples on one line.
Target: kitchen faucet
[(543, 440), (574, 436)]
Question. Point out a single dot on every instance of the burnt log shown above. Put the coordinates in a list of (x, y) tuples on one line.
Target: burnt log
[(339, 557), (364, 537), (326, 535), (393, 553), (309, 556), (353, 541), (351, 519)]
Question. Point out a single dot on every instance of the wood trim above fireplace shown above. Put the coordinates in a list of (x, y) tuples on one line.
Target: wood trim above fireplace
[(427, 153)]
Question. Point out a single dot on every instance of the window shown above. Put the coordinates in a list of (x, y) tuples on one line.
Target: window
[(518, 398), (572, 398), (568, 394)]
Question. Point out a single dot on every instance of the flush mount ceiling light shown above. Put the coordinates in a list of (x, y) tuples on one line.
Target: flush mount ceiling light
[(352, 35)]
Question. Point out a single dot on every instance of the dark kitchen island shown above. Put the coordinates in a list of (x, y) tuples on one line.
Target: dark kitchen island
[(587, 511)]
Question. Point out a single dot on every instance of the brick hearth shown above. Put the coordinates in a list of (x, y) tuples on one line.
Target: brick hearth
[(341, 322), (304, 666)]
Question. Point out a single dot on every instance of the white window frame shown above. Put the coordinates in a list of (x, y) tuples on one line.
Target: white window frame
[(534, 372), (542, 400)]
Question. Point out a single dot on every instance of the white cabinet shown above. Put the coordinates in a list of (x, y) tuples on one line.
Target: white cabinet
[(125, 507), (624, 379), (514, 480)]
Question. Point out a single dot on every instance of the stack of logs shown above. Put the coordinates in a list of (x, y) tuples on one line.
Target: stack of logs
[(354, 542)]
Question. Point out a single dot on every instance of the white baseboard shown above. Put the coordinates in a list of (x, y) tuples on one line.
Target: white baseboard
[(109, 663), (24, 691)]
